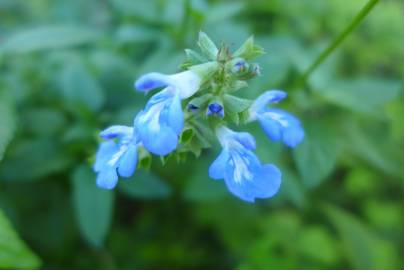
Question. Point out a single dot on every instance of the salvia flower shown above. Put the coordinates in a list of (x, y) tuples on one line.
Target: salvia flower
[(191, 109), (116, 157), (161, 122), (277, 124), (240, 168)]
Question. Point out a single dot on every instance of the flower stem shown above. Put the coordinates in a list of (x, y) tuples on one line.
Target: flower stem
[(338, 40)]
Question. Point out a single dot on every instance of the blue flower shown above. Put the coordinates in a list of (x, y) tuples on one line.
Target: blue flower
[(240, 168), (277, 124), (215, 109), (161, 122), (115, 158)]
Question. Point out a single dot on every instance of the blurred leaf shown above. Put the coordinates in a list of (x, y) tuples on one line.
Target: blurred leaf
[(34, 120), (145, 185), (364, 95), (224, 11), (136, 33), (201, 188), (7, 122), (317, 243), (39, 158), (80, 88), (292, 189), (14, 253), (48, 37), (316, 156), (364, 249), (93, 206), (367, 143)]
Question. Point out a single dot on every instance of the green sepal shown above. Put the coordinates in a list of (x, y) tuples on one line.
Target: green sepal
[(144, 159), (249, 50), (235, 104), (207, 46), (205, 70), (201, 101), (236, 85), (193, 58), (186, 135)]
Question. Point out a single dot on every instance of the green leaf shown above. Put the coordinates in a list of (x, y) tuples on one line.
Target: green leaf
[(207, 46), (249, 50), (39, 158), (145, 185), (364, 95), (14, 253), (366, 142), (317, 243), (316, 156), (364, 249), (93, 206), (201, 188), (7, 122), (79, 87), (48, 37)]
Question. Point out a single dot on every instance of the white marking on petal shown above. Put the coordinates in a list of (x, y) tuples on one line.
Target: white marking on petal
[(241, 171), (278, 117), (115, 158), (187, 83)]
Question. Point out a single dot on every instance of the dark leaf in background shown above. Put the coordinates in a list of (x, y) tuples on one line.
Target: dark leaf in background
[(145, 185), (93, 206), (32, 160), (7, 121), (316, 156), (14, 254), (364, 248), (48, 37), (80, 88)]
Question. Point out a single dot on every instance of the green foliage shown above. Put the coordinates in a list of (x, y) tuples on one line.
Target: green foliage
[(48, 37), (67, 69), (93, 206), (7, 122), (14, 254), (145, 185)]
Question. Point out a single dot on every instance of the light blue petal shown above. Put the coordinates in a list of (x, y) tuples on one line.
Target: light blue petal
[(104, 153), (267, 181), (162, 96), (293, 135), (266, 98), (175, 115), (244, 187), (271, 127), (161, 142), (246, 139), (151, 81), (292, 132), (128, 162), (116, 131), (107, 178), (217, 168), (265, 184)]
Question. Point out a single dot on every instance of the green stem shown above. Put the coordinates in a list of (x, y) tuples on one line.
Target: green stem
[(339, 39)]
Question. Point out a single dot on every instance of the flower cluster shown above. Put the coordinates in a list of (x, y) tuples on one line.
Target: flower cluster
[(193, 108)]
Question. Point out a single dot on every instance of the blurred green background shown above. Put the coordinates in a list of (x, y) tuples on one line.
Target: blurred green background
[(67, 70)]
